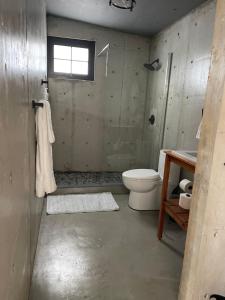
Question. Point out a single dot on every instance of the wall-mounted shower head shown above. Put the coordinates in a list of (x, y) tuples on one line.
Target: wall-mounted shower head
[(154, 66)]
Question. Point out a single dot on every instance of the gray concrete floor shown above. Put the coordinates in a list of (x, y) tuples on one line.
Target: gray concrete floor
[(107, 256)]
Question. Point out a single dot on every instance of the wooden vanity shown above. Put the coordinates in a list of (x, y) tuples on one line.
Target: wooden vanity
[(171, 206)]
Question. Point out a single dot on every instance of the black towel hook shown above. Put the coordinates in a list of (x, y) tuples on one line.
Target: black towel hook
[(44, 81), (36, 104)]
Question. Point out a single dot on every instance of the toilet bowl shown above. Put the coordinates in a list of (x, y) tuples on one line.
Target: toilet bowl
[(145, 185)]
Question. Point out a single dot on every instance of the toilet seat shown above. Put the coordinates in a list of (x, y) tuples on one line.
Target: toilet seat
[(142, 174)]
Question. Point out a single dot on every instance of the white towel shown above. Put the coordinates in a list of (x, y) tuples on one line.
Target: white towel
[(199, 131), (45, 180)]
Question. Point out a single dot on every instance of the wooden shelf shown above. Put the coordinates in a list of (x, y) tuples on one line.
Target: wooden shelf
[(171, 206), (179, 214)]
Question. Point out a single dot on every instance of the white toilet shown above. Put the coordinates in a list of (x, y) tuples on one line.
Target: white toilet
[(145, 185)]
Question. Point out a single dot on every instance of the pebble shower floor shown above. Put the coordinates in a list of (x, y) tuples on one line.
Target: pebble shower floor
[(87, 179)]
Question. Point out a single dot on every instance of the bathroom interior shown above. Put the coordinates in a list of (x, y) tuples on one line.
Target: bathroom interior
[(112, 146)]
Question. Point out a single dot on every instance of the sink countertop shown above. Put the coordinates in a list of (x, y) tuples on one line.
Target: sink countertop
[(191, 155)]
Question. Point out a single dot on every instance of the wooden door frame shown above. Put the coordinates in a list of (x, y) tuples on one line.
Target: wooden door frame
[(204, 261)]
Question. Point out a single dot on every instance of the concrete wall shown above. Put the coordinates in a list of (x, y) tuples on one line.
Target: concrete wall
[(103, 125), (22, 65), (190, 41), (99, 125)]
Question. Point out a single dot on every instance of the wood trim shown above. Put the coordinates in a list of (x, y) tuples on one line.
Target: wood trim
[(164, 196)]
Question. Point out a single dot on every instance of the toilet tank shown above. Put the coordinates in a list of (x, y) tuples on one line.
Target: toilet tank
[(174, 169)]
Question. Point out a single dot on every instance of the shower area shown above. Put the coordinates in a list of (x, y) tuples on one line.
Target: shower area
[(98, 128), (100, 125)]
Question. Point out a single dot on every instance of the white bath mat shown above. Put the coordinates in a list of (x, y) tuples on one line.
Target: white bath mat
[(68, 204)]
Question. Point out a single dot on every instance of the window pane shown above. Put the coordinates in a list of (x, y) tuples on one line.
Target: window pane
[(80, 68), (62, 66), (80, 54), (63, 52)]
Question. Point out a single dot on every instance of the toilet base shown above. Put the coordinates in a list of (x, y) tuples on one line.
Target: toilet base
[(145, 201)]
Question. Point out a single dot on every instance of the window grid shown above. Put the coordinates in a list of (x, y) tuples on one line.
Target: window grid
[(71, 60)]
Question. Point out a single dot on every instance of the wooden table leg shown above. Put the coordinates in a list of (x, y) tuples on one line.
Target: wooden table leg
[(164, 196), (161, 222)]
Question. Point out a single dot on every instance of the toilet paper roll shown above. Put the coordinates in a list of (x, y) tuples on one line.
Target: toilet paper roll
[(186, 185), (185, 200)]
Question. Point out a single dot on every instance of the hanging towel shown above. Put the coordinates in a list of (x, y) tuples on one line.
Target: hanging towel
[(199, 131), (45, 179)]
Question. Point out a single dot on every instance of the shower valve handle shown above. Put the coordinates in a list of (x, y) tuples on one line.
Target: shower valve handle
[(152, 120)]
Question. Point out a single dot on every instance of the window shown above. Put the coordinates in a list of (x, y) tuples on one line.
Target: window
[(70, 58)]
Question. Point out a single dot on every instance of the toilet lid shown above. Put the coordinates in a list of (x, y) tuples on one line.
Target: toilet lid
[(142, 174)]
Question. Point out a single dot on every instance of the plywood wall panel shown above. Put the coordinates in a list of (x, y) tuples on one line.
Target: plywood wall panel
[(203, 270), (36, 70), (23, 48)]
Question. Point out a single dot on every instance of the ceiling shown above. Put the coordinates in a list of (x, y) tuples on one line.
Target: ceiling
[(147, 18)]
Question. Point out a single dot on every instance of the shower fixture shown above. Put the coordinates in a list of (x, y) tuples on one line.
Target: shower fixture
[(123, 4), (154, 66)]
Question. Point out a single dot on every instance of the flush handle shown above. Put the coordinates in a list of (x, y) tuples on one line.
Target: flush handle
[(152, 120)]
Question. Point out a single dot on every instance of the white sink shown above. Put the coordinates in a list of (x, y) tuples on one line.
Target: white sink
[(192, 155)]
